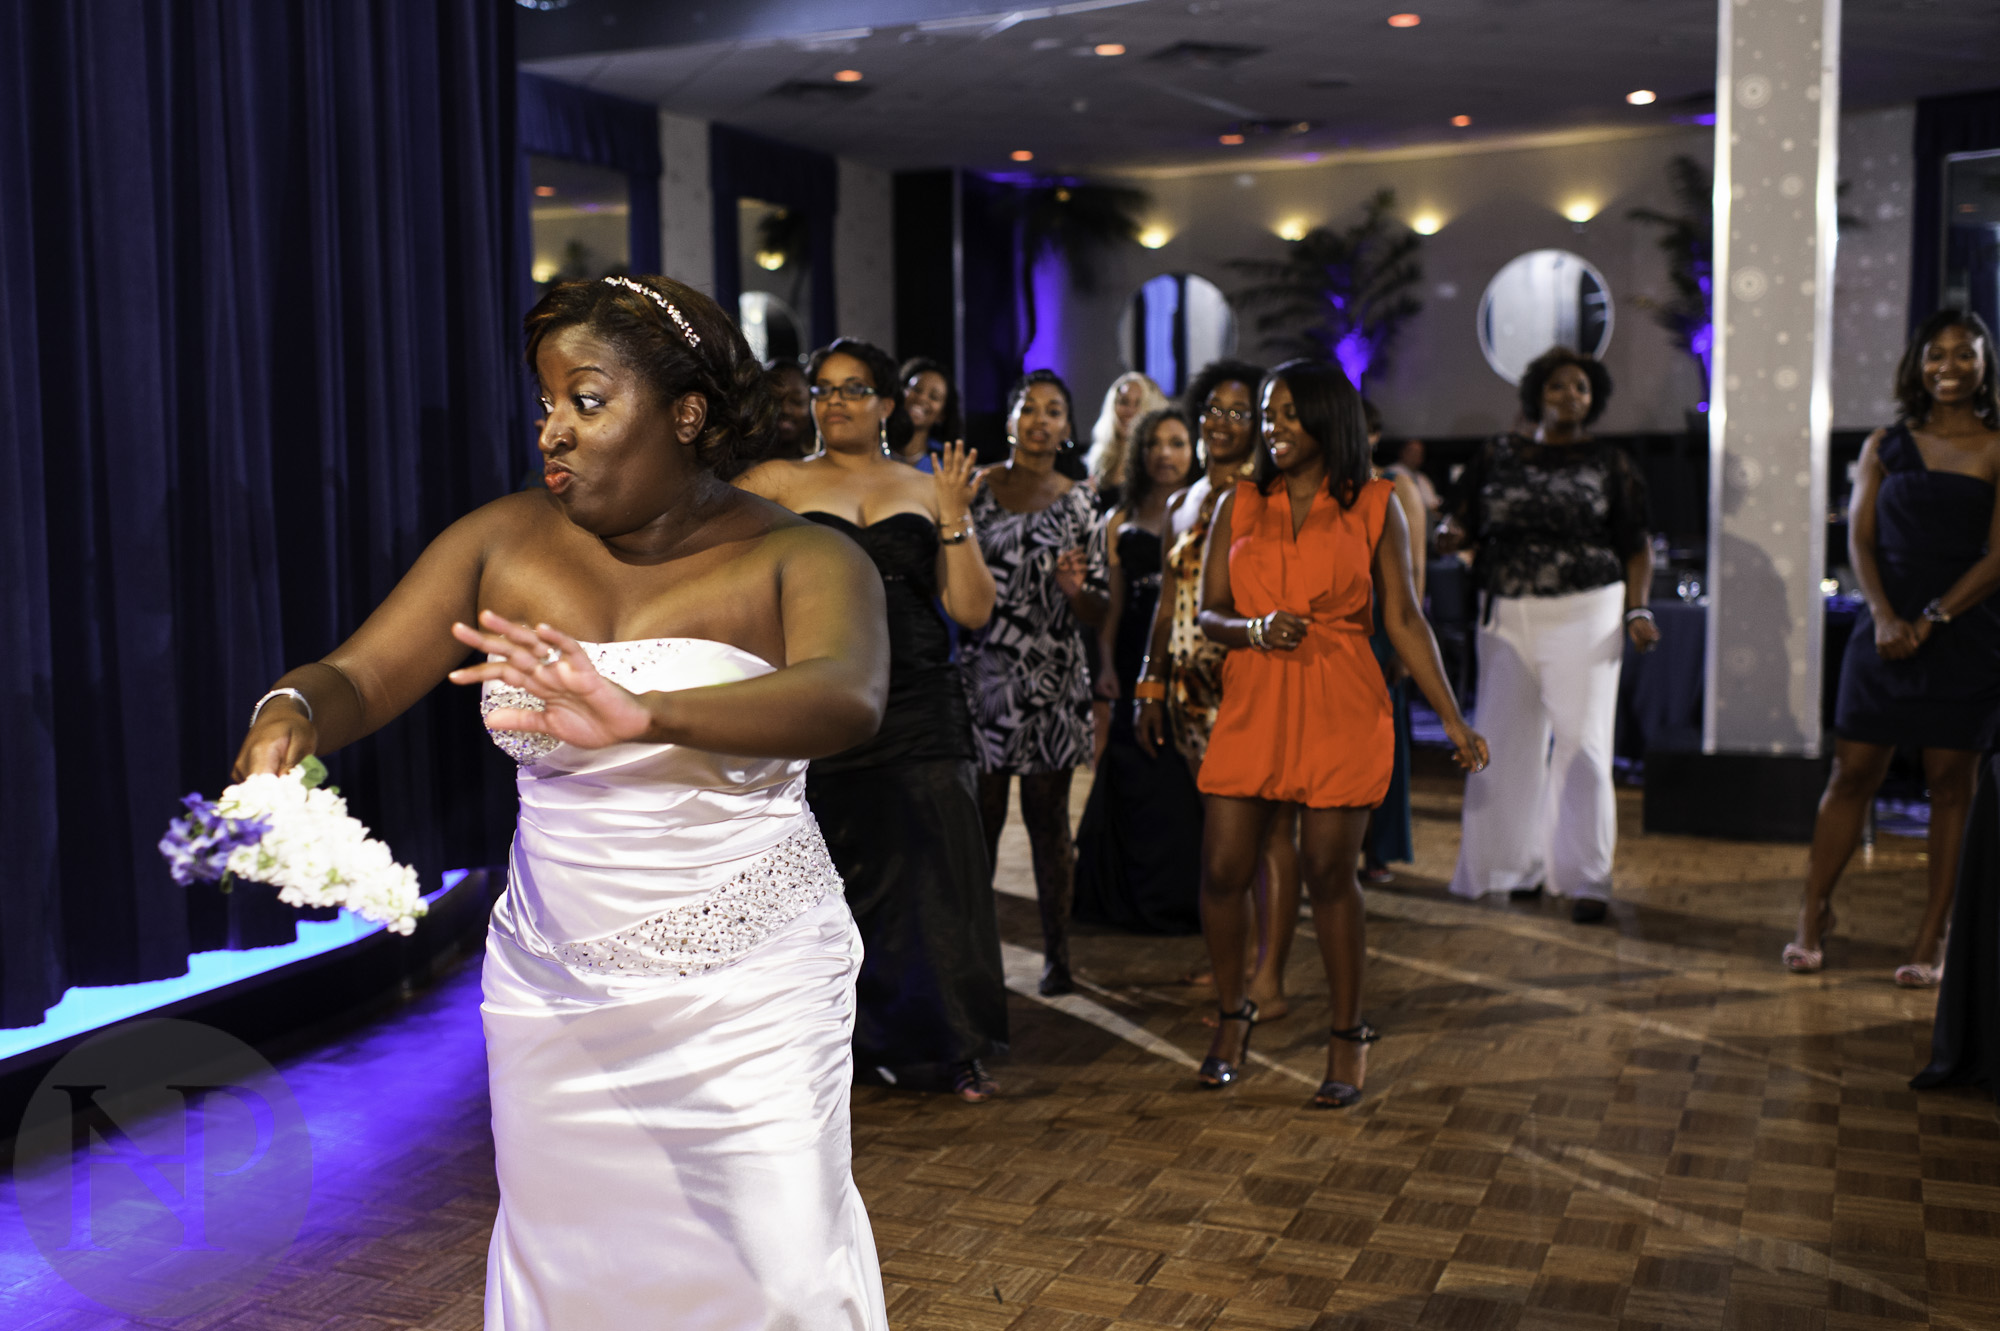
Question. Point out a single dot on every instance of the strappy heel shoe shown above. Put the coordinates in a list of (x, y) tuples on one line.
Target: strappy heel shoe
[(1334, 1094), (971, 1083), (1807, 960), (1216, 1073)]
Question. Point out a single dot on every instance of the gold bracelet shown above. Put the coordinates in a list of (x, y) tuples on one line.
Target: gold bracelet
[(1150, 690)]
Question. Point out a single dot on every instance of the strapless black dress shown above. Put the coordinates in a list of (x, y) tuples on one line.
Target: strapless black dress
[(900, 813), (1930, 527), (1138, 847)]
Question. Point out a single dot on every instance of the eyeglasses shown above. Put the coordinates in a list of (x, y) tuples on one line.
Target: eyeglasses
[(849, 391), (1224, 414)]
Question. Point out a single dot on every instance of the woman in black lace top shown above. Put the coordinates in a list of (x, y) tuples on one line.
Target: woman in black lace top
[(1557, 522)]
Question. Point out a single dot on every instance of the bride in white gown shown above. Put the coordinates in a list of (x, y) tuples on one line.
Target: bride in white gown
[(669, 979)]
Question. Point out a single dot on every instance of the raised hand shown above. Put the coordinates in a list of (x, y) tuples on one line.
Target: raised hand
[(579, 706), (955, 480), (1071, 568)]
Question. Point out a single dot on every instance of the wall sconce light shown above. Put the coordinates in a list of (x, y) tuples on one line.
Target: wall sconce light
[(1022, 155), (1580, 211), (770, 260), (544, 270), (1427, 224), (1154, 237), (1292, 228)]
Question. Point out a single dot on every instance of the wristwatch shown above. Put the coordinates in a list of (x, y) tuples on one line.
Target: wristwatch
[(1934, 612)]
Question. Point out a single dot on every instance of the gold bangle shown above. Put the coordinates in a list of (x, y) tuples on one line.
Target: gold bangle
[(1150, 690)]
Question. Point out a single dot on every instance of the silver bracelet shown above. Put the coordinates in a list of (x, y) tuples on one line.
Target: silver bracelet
[(1640, 612), (1255, 632), (293, 694)]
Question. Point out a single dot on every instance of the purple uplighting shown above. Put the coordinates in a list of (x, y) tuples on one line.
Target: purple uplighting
[(1354, 352)]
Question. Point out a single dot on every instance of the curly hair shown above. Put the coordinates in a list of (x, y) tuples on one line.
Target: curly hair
[(882, 377), (1536, 377), (1914, 400), (1138, 480), (700, 351), (950, 423), (1330, 411), (1211, 377)]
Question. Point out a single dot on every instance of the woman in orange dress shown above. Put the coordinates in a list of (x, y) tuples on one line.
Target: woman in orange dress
[(1305, 715)]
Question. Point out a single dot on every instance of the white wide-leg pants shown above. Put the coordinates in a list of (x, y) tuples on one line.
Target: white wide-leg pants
[(1543, 813)]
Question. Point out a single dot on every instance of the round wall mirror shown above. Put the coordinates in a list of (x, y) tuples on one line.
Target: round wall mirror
[(1541, 299), (1173, 325)]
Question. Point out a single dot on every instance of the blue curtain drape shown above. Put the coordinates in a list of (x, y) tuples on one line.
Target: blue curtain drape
[(562, 120), (259, 346), (742, 165), (1967, 122)]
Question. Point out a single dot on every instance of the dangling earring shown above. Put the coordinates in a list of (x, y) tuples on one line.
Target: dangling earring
[(885, 437)]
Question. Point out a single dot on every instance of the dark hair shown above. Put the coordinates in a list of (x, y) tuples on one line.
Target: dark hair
[(700, 351), (950, 424), (1330, 411), (1211, 377), (778, 365), (1536, 377), (1138, 480), (1033, 377), (1911, 395), (882, 373)]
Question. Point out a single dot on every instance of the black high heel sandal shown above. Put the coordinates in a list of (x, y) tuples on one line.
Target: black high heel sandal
[(1338, 1094), (1216, 1073)]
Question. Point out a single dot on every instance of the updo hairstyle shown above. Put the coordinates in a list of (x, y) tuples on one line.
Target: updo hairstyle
[(701, 351)]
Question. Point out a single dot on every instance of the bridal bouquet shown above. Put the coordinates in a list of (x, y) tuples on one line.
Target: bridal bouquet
[(294, 832)]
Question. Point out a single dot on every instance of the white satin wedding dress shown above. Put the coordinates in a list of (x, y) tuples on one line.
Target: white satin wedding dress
[(669, 1001)]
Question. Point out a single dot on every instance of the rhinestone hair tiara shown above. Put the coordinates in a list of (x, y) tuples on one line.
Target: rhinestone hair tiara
[(672, 311)]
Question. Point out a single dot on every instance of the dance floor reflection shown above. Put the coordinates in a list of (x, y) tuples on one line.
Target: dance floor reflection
[(1645, 1124)]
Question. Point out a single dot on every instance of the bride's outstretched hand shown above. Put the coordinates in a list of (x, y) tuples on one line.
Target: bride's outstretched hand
[(579, 706)]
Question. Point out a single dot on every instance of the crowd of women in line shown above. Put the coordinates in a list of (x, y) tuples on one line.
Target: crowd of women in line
[(1127, 600)]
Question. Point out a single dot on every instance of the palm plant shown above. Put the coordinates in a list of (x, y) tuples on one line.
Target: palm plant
[(1688, 240), (1078, 224), (1339, 295)]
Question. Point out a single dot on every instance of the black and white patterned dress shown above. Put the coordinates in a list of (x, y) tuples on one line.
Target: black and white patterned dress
[(1025, 673)]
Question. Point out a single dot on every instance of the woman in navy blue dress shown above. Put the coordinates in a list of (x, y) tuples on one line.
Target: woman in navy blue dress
[(1923, 666)]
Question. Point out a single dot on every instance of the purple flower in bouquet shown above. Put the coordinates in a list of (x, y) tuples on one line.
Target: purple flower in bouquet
[(199, 845)]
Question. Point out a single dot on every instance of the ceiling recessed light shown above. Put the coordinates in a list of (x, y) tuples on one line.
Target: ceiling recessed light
[(1153, 237), (1461, 121), (1230, 140), (1404, 20), (1580, 211), (847, 76), (1642, 97), (1108, 48), (1427, 224), (1292, 228), (545, 191), (1022, 155), (770, 260)]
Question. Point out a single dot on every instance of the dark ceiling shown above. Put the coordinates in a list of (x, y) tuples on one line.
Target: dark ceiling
[(964, 82)]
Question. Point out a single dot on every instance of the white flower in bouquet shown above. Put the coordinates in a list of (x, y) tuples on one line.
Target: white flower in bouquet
[(310, 848)]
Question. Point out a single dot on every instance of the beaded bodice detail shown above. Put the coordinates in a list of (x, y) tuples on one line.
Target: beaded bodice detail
[(618, 662), (780, 885)]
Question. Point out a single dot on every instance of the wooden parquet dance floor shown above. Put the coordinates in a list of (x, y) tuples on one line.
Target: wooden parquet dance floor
[(1645, 1124)]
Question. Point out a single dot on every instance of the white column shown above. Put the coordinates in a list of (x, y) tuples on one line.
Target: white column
[(687, 221), (1776, 137)]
